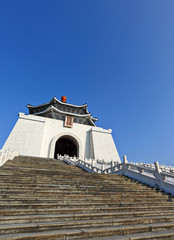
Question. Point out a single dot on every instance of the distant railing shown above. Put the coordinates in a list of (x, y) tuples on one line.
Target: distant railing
[(160, 177), (7, 154), (89, 165), (152, 174)]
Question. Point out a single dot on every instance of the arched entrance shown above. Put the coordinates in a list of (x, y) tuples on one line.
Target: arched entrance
[(71, 136), (66, 145)]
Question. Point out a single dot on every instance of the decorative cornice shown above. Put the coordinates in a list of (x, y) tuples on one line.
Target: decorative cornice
[(31, 117), (93, 129), (53, 109), (54, 105)]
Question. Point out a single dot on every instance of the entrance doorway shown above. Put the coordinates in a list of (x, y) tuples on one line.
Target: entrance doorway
[(65, 145)]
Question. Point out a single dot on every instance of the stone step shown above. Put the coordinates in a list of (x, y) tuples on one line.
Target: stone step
[(73, 210), (80, 181), (62, 172), (75, 191), (125, 202), (123, 216), (84, 204), (61, 178), (74, 188), (43, 181), (103, 190), (75, 194), (79, 197), (160, 235), (86, 233), (46, 183), (82, 198), (99, 191), (30, 227), (76, 180)]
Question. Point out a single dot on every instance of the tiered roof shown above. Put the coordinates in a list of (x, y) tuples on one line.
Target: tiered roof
[(58, 110)]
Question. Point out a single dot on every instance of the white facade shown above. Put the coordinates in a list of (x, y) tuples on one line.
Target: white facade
[(36, 136)]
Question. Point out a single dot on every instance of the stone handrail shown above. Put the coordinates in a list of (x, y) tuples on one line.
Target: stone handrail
[(152, 174), (7, 154), (87, 166)]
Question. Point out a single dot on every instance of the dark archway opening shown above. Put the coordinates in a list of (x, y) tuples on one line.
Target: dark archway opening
[(64, 145)]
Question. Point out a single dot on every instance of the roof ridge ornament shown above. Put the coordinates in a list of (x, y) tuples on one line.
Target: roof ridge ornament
[(63, 99)]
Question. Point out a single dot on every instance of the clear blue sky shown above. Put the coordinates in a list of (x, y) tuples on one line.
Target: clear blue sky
[(115, 55)]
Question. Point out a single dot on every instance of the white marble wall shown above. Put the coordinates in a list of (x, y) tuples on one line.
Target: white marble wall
[(36, 136), (26, 136), (103, 145)]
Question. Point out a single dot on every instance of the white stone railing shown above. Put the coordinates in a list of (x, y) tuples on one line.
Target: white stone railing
[(160, 177), (152, 174), (89, 165), (7, 154)]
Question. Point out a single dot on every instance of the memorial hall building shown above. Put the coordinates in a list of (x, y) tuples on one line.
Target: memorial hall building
[(58, 127)]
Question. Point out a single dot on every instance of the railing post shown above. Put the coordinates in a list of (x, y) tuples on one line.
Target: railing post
[(92, 162), (112, 166), (102, 167), (158, 176), (92, 165), (140, 170), (125, 161)]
